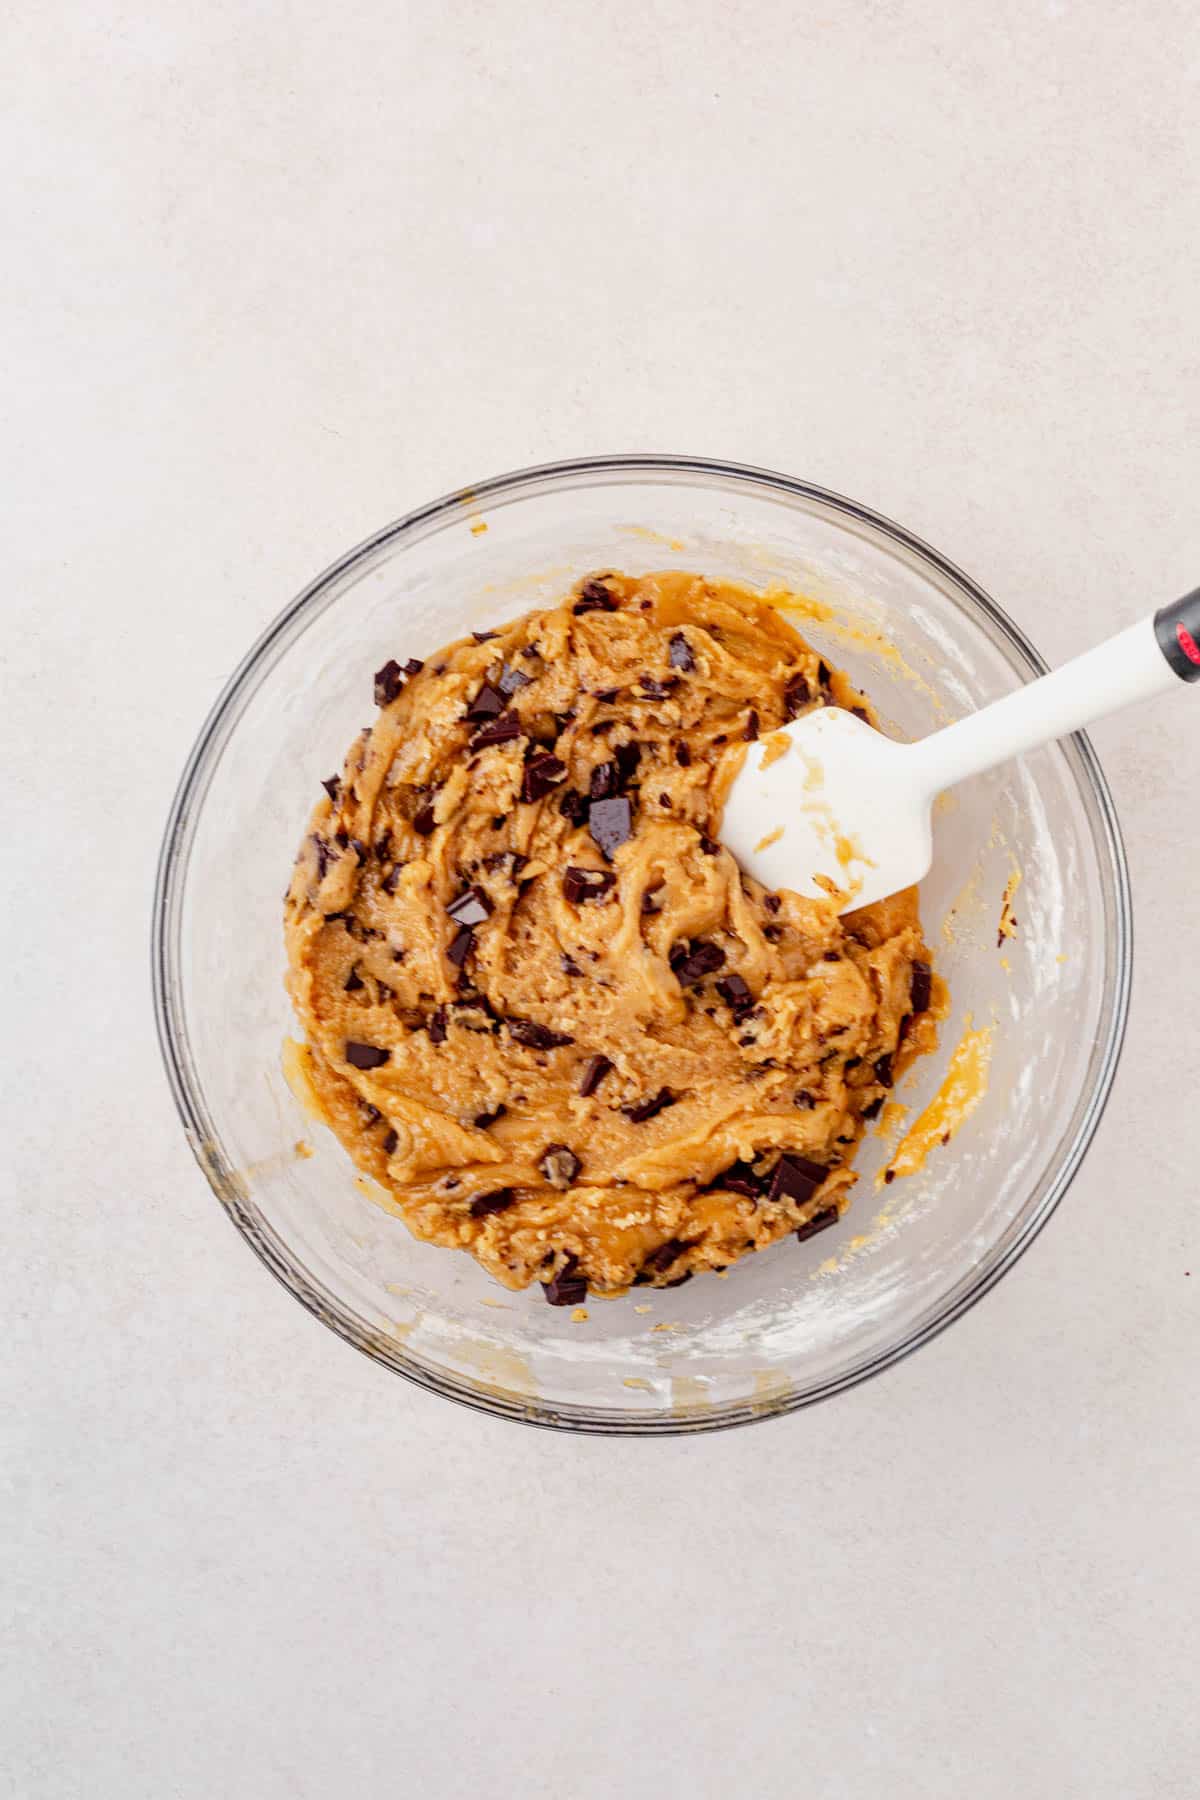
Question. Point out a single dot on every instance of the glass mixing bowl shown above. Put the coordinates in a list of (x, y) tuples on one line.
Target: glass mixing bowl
[(800, 1321)]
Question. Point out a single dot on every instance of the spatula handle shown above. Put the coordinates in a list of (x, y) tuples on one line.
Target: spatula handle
[(1146, 659)]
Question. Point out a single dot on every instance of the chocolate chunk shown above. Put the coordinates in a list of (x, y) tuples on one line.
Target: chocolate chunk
[(488, 703), (736, 994), (823, 675), (424, 821), (606, 696), (795, 696), (484, 1119), (649, 688), (922, 986), (648, 1109), (741, 1178), (611, 824), (471, 908), (649, 903), (605, 781), (819, 1222), (536, 1037), (559, 1165), (587, 884), (513, 680), (595, 597), (543, 771), (333, 787), (627, 758), (883, 1071), (568, 964), (771, 902), (389, 1143), (326, 854), (665, 800), (860, 712), (803, 1099), (391, 880), (503, 729), (697, 961), (683, 756), (708, 846), (573, 806), (353, 982), (498, 1201), (773, 933), (566, 1287), (660, 1260), (595, 1069), (437, 1025), (388, 682), (795, 1178), (831, 956), (484, 637), (370, 1113), (750, 729), (413, 666), (366, 1056), (679, 653), (460, 946), (873, 1110), (680, 1279)]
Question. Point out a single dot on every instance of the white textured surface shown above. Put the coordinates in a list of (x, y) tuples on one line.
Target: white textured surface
[(273, 275)]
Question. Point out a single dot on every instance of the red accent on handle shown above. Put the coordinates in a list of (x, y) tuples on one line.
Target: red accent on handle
[(1188, 644)]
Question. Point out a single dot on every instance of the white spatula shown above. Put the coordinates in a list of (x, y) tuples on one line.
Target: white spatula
[(845, 803)]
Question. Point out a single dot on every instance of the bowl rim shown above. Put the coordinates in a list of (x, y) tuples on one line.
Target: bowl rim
[(166, 939)]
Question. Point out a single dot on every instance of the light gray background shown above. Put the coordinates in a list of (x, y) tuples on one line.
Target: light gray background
[(272, 275)]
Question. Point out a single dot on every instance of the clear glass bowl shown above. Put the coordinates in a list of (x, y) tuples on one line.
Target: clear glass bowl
[(795, 1323)]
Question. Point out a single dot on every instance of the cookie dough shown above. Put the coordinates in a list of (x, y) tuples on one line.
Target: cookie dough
[(543, 1006)]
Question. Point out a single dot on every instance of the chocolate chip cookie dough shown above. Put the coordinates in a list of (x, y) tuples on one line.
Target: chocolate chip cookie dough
[(543, 1006)]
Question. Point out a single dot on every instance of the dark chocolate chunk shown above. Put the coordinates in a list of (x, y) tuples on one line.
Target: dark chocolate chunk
[(795, 696), (627, 757), (699, 960), (708, 846), (649, 903), (883, 1071), (460, 946), (873, 1110), (391, 880), (773, 933), (573, 806), (660, 1260), (366, 1056), (750, 729), (333, 787), (771, 902), (823, 675), (370, 1113), (795, 1178), (595, 1069), (604, 782), (638, 1113), (595, 597), (424, 821), (860, 712), (513, 680), (680, 1279), (543, 771), (413, 666), (470, 908), (587, 884), (803, 1099), (665, 800), (484, 1119), (388, 682), (741, 1178), (503, 729), (353, 982), (484, 637), (922, 986), (566, 1288), (679, 653), (650, 688), (389, 1143), (326, 854), (611, 824), (820, 1221), (498, 1201), (437, 1025), (488, 703), (831, 956), (559, 1165), (736, 994), (606, 696), (683, 756), (535, 1036), (569, 965)]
